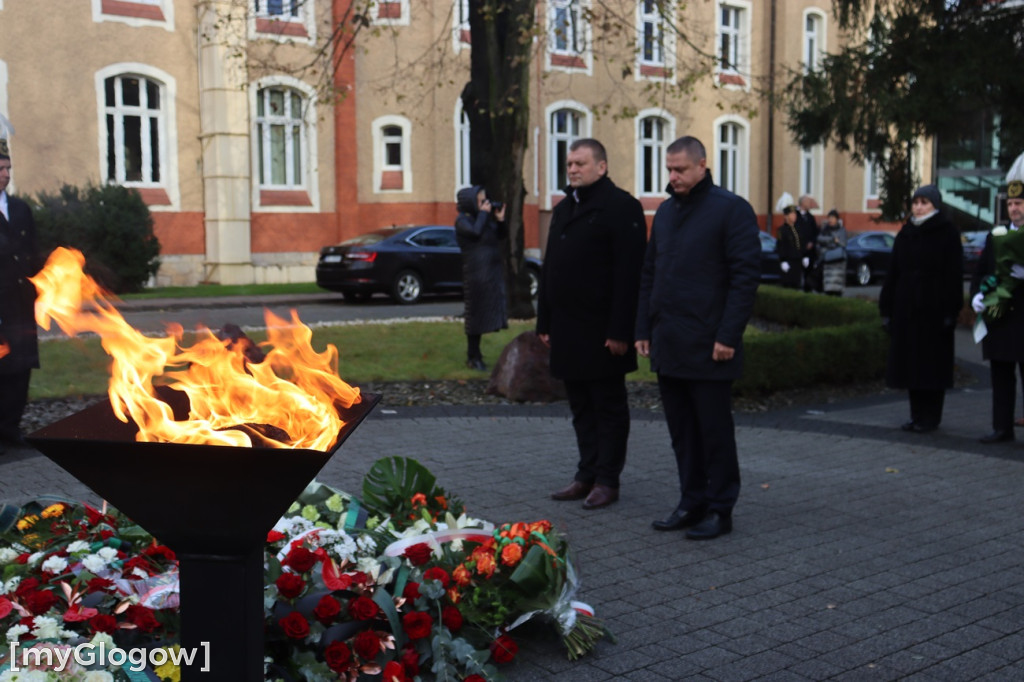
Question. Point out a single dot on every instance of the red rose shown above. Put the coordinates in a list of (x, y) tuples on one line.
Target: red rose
[(103, 623), (411, 660), (411, 591), (475, 678), (26, 586), (275, 536), (139, 562), (327, 609), (106, 534), (39, 602), (99, 584), (504, 649), (362, 608), (394, 672), (295, 625), (451, 617), (290, 585), (338, 657), (366, 645), (418, 554), (160, 552), (142, 618), (437, 573), (300, 559), (22, 559), (417, 624)]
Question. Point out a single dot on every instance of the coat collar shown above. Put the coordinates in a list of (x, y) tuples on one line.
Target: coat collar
[(699, 190)]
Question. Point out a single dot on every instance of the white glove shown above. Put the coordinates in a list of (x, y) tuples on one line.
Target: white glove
[(1017, 271), (976, 303), (806, 262), (784, 266)]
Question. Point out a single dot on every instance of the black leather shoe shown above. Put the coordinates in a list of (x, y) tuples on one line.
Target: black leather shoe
[(679, 519), (576, 490), (923, 428), (908, 426), (601, 496), (477, 364), (997, 437), (713, 525)]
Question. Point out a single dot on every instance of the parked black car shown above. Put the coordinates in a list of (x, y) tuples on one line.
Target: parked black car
[(769, 258), (403, 262), (974, 244), (868, 255)]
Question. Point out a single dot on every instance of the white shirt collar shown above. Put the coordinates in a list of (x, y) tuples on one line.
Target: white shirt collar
[(3, 205)]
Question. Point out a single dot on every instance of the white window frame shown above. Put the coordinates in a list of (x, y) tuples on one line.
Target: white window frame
[(462, 147), (812, 172), (741, 154), (740, 36), (553, 139), (307, 181), (166, 8), (668, 134), (401, 20), (167, 121), (872, 184), (581, 37), (814, 42), (5, 109), (460, 24), (305, 17), (667, 59), (379, 165)]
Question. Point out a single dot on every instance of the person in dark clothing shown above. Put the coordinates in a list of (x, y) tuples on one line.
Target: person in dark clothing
[(920, 302), (19, 346), (480, 232), (697, 290), (807, 227), (1003, 344), (586, 308), (790, 251)]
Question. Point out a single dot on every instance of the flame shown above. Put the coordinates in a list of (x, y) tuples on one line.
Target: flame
[(4, 349), (295, 389)]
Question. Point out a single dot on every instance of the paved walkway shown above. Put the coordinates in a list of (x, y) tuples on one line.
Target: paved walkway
[(859, 552)]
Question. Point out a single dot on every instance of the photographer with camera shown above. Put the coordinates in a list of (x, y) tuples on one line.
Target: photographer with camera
[(480, 229)]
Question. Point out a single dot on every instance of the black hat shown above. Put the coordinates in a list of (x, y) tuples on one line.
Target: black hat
[(929, 192), (834, 212)]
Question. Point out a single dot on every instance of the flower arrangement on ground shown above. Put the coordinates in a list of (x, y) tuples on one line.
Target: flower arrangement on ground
[(395, 583)]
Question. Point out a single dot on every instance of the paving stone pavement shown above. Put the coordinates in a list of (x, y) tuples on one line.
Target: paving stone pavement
[(859, 552)]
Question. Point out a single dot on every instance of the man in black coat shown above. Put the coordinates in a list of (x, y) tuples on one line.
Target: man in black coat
[(1003, 344), (807, 228), (586, 307), (697, 290), (18, 342)]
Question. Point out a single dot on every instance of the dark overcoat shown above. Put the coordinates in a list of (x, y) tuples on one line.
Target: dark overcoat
[(698, 283), (1005, 338), (922, 296), (483, 267), (589, 281), (790, 252), (19, 260)]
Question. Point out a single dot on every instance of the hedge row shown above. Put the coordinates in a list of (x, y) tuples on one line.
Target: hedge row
[(831, 341)]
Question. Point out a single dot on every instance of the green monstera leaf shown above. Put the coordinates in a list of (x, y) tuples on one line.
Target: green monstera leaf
[(391, 483)]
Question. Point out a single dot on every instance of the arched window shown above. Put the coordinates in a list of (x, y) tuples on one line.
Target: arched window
[(730, 163), (652, 133), (391, 154), (814, 40), (563, 128), (462, 148)]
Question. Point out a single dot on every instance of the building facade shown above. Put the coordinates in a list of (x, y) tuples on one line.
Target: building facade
[(255, 144)]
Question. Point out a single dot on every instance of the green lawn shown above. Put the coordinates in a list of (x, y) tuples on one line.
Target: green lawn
[(211, 290)]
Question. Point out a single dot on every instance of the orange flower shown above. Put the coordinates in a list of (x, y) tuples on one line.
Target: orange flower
[(540, 527), (53, 510), (419, 500), (442, 501), (453, 594), (461, 575), (484, 564), (518, 530), (27, 522), (511, 554)]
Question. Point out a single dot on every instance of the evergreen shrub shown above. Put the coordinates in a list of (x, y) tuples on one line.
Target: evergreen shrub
[(111, 225)]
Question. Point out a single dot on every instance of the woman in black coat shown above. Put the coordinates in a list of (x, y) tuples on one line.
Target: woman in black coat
[(920, 302), (479, 232)]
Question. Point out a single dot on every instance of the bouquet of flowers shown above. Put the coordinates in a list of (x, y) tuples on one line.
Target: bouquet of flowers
[(998, 288), (396, 583)]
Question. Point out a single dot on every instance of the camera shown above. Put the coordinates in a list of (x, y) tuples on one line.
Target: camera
[(496, 205)]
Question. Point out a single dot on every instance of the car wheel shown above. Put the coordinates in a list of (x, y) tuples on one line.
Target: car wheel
[(863, 274), (407, 287), (534, 278)]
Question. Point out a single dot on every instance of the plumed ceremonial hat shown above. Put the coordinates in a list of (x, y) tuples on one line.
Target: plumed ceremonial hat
[(785, 201), (6, 130), (1015, 179)]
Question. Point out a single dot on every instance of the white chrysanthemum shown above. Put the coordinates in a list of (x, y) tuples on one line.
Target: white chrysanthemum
[(45, 627), (78, 546), (55, 565), (367, 544), (108, 554), (35, 558), (999, 231), (10, 585), (94, 563), (98, 676), (102, 639), (346, 549), (15, 632), (7, 555)]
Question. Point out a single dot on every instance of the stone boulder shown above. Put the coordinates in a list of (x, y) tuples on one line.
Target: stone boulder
[(523, 373)]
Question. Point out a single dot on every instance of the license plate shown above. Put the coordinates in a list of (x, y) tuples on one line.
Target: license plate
[(332, 259)]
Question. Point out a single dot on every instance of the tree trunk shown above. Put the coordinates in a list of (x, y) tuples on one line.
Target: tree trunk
[(496, 100)]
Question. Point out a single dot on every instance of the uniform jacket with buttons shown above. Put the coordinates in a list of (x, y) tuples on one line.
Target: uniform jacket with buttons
[(19, 260)]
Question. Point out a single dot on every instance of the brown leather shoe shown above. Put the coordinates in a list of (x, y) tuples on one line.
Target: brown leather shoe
[(576, 490), (601, 496)]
